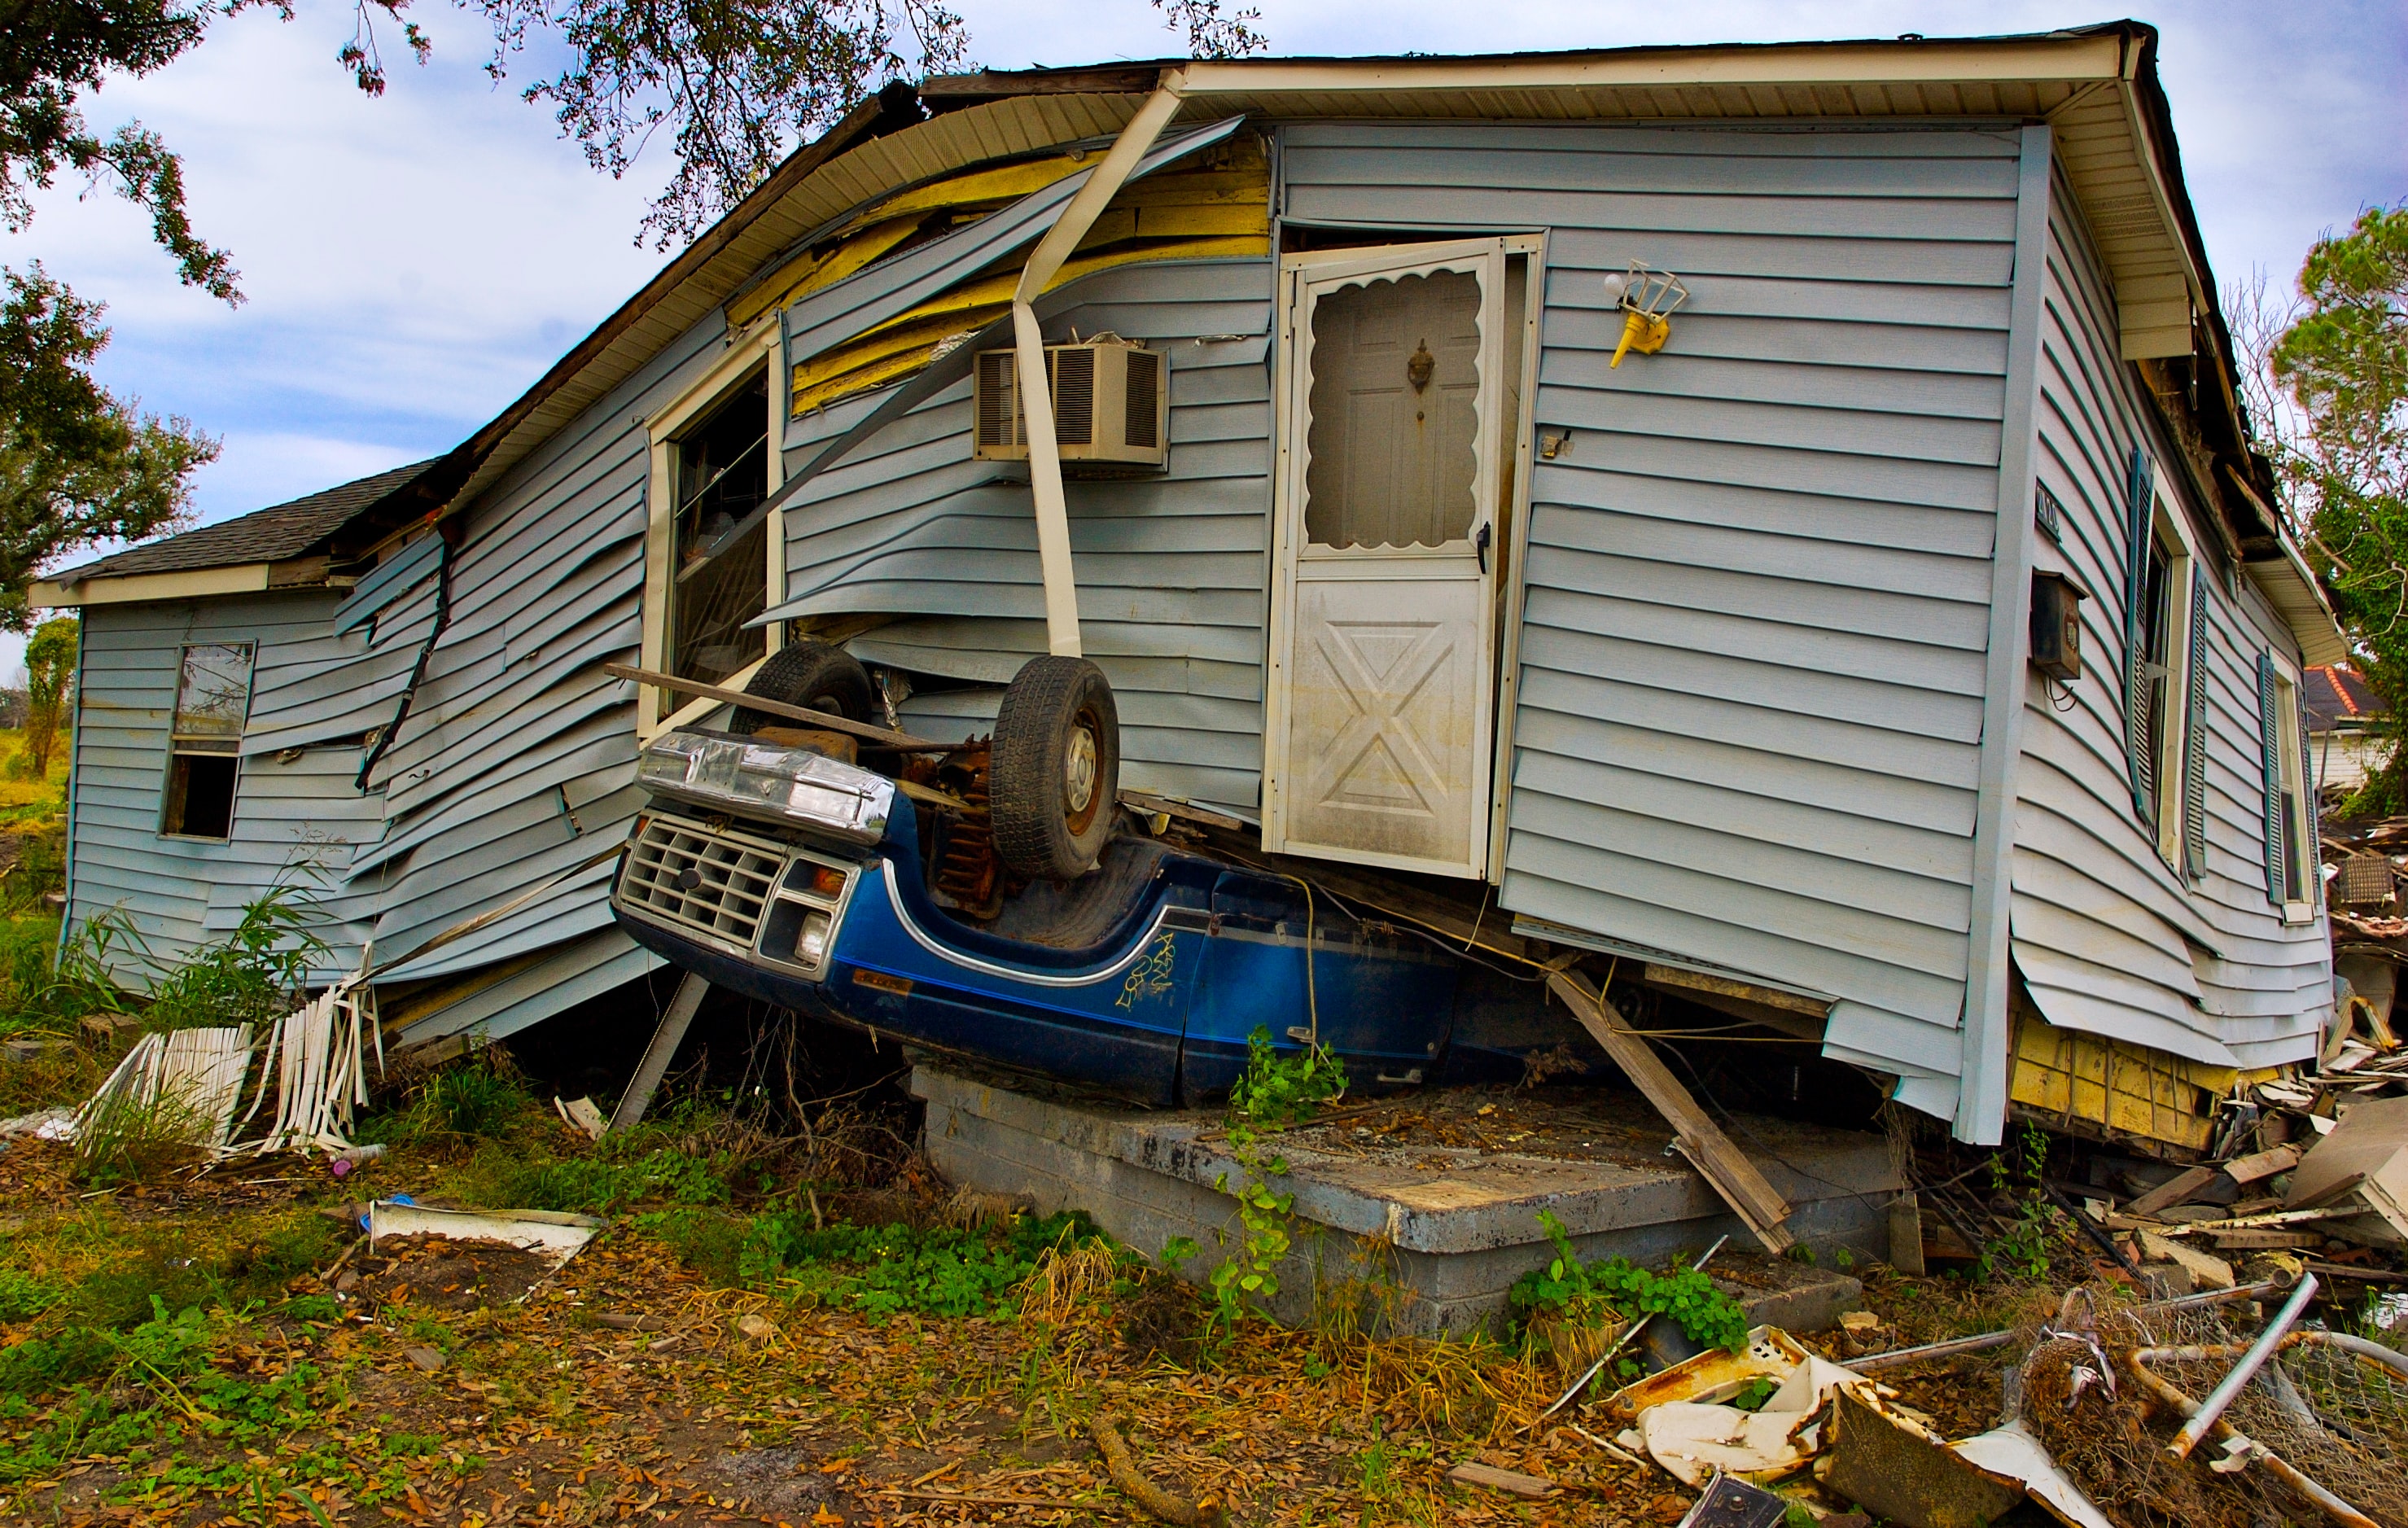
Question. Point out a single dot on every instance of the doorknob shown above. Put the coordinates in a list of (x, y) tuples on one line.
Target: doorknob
[(1480, 539)]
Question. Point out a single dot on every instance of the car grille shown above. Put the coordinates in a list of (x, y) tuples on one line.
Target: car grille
[(690, 877)]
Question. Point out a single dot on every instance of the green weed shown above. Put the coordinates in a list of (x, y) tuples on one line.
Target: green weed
[(1269, 1094), (2026, 1249), (1689, 1298), (255, 973), (886, 1269)]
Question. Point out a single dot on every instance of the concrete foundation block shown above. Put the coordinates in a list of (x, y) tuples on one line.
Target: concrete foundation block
[(1426, 1240)]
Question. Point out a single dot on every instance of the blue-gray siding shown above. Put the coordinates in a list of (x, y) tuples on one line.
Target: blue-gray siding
[(297, 817), (2107, 936), (1171, 569), (1757, 580)]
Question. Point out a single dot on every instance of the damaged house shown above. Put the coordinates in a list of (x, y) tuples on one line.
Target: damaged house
[(1776, 517)]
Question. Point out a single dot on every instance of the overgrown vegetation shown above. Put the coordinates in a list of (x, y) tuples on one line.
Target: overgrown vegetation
[(1616, 1290), (1269, 1094)]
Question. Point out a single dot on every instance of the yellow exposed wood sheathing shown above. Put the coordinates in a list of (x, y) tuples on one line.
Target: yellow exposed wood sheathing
[(807, 273), (872, 361), (2076, 1080), (1220, 209)]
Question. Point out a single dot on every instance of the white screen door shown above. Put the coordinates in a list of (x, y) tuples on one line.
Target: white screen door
[(1379, 745)]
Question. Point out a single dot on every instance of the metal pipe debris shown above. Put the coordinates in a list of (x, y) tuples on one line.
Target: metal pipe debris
[(2330, 1505), (2230, 1385), (1985, 1340)]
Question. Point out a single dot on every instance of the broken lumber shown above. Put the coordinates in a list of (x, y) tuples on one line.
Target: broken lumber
[(2173, 1190), (2249, 1169), (883, 737), (1474, 1474), (1723, 1164), (657, 1055)]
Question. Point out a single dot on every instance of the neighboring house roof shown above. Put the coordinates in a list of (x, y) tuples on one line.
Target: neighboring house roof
[(2335, 695), (234, 555)]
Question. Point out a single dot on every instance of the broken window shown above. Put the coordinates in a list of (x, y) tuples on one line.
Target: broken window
[(212, 699), (1394, 412), (720, 569)]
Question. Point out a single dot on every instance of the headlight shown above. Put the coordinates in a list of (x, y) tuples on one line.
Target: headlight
[(811, 945), (738, 775)]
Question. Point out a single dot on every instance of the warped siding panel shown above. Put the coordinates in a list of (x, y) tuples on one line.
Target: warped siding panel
[(296, 820), (577, 971), (1171, 569), (1757, 580), (2107, 937), (515, 761)]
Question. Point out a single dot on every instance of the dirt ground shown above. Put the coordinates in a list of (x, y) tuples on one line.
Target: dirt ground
[(461, 1384)]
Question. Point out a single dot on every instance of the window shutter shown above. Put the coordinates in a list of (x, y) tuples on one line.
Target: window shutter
[(2270, 754), (2315, 878), (2195, 733), (2139, 749)]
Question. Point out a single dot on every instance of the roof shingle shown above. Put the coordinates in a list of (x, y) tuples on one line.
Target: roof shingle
[(264, 535)]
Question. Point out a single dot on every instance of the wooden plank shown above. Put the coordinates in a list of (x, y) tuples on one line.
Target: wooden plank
[(862, 729), (1771, 997), (1702, 1142), (2173, 1190), (2255, 1240), (657, 1055), (2249, 1169)]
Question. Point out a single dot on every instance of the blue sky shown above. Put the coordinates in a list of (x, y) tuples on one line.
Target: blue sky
[(413, 262)]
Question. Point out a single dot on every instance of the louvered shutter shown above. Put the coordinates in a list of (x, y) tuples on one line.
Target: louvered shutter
[(2195, 735), (2314, 881), (2139, 749), (2270, 754)]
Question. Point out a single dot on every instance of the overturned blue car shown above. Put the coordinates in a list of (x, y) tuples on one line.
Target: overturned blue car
[(772, 863)]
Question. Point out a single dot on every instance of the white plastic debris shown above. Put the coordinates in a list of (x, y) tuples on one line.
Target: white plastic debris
[(2012, 1452), (556, 1235)]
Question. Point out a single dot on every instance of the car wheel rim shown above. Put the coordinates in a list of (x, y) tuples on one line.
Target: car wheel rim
[(1079, 772)]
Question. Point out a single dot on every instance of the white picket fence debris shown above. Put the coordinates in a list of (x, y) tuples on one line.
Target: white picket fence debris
[(318, 1052), (188, 1080)]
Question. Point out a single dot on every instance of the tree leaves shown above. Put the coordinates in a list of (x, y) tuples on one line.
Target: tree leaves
[(2343, 360), (76, 465), (737, 85)]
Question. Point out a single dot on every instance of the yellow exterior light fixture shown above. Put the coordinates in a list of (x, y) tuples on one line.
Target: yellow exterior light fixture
[(1648, 298)]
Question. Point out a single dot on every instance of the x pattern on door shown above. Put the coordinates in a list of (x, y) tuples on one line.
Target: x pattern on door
[(1376, 757)]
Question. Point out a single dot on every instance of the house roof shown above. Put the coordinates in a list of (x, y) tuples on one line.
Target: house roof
[(2335, 695), (2096, 86), (285, 545), (273, 535)]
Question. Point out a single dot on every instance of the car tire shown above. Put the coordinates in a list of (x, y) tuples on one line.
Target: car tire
[(1054, 782), (814, 675)]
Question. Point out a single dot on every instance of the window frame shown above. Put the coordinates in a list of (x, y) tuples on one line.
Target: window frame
[(178, 744), (759, 348), (2170, 742), (2294, 779)]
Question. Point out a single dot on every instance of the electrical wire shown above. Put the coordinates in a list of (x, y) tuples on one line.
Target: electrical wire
[(1312, 995)]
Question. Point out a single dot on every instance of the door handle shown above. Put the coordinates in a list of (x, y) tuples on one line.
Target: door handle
[(1480, 539)]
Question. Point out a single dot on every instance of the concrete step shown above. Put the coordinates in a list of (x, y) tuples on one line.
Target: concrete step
[(1425, 1206)]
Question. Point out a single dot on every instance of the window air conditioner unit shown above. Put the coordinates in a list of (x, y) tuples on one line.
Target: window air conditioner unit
[(1111, 412)]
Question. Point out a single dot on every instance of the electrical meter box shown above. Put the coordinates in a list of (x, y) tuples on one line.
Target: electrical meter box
[(2056, 626)]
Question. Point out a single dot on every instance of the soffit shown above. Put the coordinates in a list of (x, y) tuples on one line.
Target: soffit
[(2081, 83)]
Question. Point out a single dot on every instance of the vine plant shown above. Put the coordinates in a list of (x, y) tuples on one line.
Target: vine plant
[(1271, 1095)]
